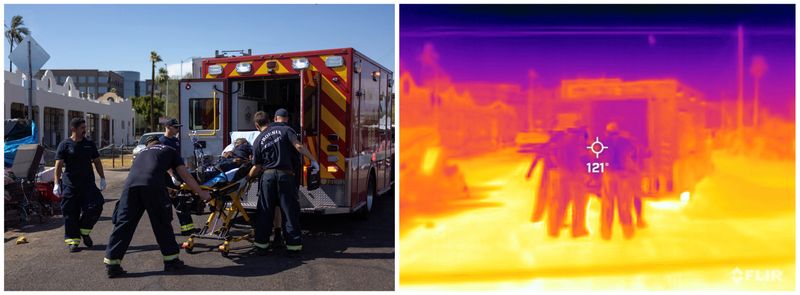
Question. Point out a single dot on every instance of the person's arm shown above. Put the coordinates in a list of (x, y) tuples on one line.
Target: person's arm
[(533, 165), (57, 179), (255, 159), (189, 180), (256, 170), (57, 173), (302, 149), (98, 165)]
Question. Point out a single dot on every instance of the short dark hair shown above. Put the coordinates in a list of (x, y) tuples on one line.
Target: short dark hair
[(260, 118), (76, 122), (150, 138)]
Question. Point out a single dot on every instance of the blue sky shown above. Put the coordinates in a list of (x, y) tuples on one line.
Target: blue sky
[(120, 37)]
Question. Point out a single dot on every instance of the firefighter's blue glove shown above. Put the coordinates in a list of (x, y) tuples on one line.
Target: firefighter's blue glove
[(102, 184), (314, 165)]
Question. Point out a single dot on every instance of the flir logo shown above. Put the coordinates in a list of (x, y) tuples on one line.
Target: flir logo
[(739, 275)]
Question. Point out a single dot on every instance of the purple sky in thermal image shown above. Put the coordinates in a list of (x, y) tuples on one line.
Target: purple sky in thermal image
[(695, 44)]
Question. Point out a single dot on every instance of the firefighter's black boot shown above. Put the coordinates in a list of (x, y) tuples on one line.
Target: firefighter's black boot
[(277, 239), (73, 248), (87, 240), (114, 270), (173, 265), (263, 251)]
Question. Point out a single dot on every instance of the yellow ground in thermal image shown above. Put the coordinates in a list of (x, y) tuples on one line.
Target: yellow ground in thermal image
[(735, 231)]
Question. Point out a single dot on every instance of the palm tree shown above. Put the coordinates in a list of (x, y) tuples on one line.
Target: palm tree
[(163, 76), (154, 58), (163, 79), (15, 33), (757, 69)]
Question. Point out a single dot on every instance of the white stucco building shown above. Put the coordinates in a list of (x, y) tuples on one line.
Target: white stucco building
[(108, 120)]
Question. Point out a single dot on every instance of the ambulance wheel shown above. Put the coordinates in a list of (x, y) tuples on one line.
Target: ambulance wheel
[(366, 211)]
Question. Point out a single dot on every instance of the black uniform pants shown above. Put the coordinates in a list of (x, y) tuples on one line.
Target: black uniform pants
[(81, 207), (127, 213), (278, 188), (183, 213)]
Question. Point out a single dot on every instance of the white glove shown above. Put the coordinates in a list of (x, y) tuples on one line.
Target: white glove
[(102, 184), (175, 181), (57, 190), (314, 165)]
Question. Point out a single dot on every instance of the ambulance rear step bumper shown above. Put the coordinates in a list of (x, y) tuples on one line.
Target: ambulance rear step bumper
[(251, 206)]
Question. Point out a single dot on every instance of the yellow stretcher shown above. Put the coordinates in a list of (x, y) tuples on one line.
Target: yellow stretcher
[(225, 205)]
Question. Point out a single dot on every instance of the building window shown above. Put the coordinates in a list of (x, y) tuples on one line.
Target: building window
[(103, 89), (91, 90), (201, 114), (91, 79), (62, 79), (106, 138), (74, 114), (103, 79), (53, 131), (82, 79), (18, 110), (91, 127)]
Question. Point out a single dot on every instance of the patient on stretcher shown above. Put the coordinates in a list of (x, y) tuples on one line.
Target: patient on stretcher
[(229, 168)]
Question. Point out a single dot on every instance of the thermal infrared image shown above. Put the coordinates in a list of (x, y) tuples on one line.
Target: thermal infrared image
[(597, 147)]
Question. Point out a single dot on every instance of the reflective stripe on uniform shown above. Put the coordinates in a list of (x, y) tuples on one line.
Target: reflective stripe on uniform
[(86, 231), (294, 247), (186, 227), (260, 245), (72, 241), (170, 257), (112, 261)]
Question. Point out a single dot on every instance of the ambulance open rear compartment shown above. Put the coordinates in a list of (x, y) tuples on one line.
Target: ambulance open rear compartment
[(340, 104)]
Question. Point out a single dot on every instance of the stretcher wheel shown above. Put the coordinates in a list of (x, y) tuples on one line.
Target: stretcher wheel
[(224, 250), (188, 246)]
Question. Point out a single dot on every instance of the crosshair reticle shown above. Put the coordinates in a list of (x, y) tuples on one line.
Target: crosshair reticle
[(601, 147)]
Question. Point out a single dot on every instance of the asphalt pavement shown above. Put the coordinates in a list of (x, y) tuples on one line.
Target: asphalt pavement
[(340, 252)]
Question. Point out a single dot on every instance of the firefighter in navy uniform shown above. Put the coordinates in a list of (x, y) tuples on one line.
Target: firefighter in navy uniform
[(619, 183), (171, 130), (274, 150), (82, 202), (145, 190)]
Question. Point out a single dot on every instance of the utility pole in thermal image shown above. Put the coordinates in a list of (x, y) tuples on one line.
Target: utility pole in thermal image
[(740, 77)]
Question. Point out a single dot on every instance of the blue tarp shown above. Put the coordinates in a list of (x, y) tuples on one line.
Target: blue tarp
[(10, 148)]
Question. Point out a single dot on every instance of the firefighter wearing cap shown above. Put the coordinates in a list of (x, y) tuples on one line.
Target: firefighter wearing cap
[(619, 182), (274, 150), (82, 202), (145, 190), (170, 138)]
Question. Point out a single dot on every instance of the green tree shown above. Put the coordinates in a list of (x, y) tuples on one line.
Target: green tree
[(142, 106), (154, 58), (15, 33)]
